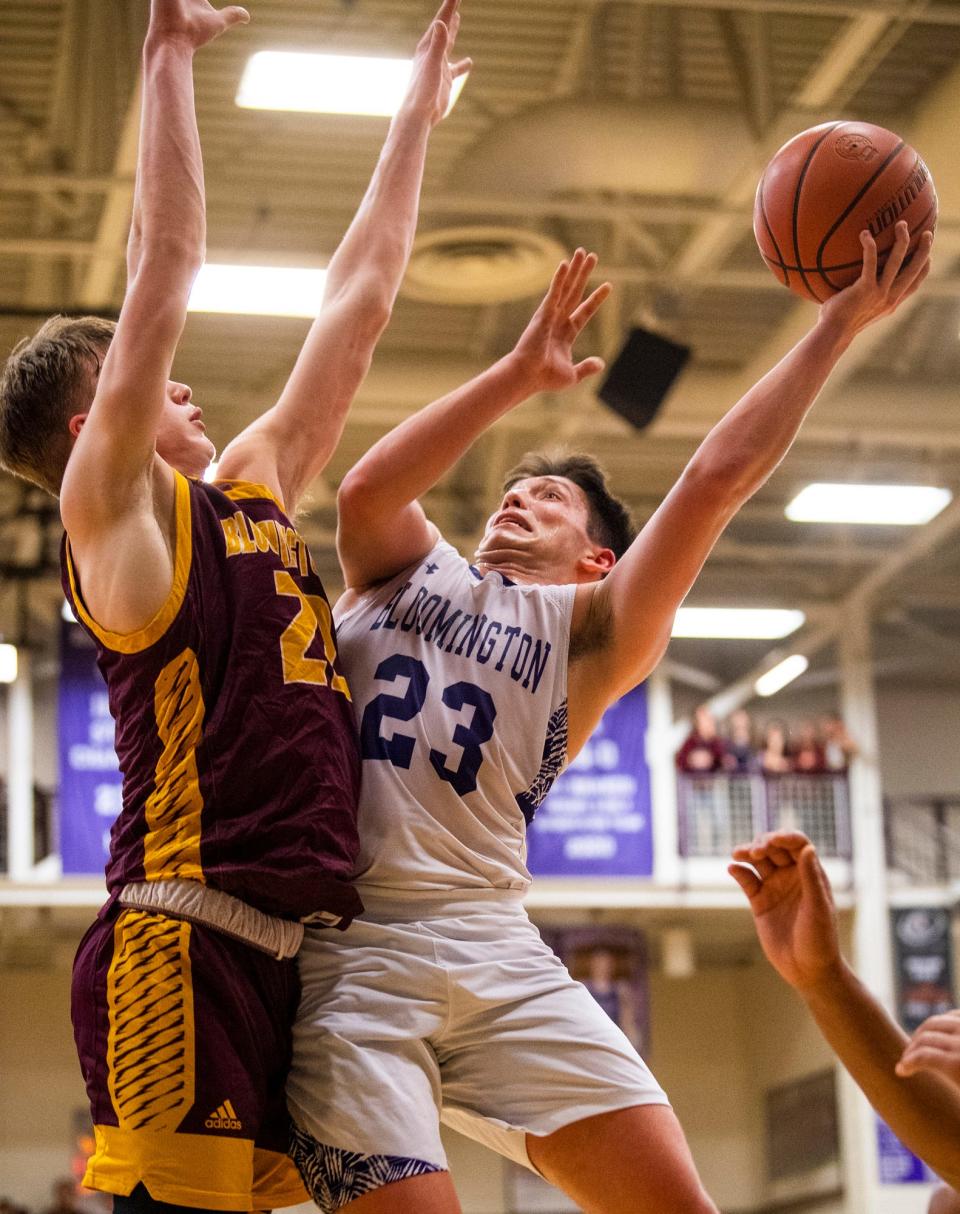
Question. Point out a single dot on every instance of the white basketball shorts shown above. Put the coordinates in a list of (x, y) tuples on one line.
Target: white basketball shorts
[(452, 1010)]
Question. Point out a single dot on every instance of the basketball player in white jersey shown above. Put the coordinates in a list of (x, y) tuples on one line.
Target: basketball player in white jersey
[(473, 685)]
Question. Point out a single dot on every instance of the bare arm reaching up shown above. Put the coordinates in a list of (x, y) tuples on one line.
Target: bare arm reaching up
[(291, 443), (794, 915), (117, 494), (622, 625), (382, 528)]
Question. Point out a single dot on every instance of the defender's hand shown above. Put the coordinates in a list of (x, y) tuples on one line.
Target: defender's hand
[(433, 74), (792, 905), (193, 22), (545, 350), (875, 295), (935, 1046)]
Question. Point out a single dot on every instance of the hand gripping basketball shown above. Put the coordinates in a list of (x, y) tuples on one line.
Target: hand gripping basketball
[(823, 188), (878, 294)]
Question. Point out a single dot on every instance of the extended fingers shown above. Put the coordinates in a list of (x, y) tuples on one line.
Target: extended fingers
[(581, 267), (235, 15), (590, 306), (461, 68), (869, 272), (896, 256)]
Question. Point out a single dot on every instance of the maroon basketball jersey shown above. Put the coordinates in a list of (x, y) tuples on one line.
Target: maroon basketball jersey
[(234, 727)]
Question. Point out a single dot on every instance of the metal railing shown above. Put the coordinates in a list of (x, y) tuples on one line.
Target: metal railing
[(719, 810), (923, 838)]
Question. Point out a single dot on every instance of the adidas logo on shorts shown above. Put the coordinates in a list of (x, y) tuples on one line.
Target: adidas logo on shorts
[(224, 1118)]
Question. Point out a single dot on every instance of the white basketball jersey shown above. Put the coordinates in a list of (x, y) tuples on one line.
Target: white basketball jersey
[(459, 683)]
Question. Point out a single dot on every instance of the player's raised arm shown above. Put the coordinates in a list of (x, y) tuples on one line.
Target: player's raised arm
[(118, 435), (293, 441), (793, 911), (622, 625), (382, 528)]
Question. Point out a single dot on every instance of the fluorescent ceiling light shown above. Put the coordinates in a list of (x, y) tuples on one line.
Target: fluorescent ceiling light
[(328, 84), (896, 505), (8, 663), (211, 473), (258, 290), (736, 623), (66, 613), (780, 675)]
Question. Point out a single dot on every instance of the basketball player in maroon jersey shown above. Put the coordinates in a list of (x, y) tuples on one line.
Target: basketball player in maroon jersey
[(234, 726)]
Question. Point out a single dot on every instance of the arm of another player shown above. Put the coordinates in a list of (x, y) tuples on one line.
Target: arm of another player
[(621, 625), (794, 915), (293, 441), (382, 527), (109, 498)]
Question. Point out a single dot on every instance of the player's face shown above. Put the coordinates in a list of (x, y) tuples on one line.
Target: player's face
[(546, 514), (181, 438)]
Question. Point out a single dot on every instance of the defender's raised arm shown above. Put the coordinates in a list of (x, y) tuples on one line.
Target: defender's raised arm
[(291, 444)]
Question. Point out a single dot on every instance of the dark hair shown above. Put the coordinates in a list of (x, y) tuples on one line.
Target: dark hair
[(609, 519), (44, 382)]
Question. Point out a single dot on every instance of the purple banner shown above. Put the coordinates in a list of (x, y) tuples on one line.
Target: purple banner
[(897, 1164), (595, 821), (89, 776)]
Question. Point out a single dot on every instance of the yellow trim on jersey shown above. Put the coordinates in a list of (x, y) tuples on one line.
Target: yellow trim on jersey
[(143, 638), (242, 491), (210, 1171), (150, 1039), (171, 846)]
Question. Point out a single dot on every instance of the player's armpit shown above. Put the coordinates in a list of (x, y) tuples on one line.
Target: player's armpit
[(123, 570)]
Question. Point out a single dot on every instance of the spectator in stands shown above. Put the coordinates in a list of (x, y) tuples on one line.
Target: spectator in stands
[(741, 752), (703, 749), (775, 757), (914, 1084), (838, 747), (809, 755)]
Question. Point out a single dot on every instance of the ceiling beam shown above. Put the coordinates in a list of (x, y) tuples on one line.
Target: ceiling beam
[(927, 14), (926, 541)]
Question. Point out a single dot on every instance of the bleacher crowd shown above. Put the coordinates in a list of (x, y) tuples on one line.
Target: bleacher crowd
[(821, 747)]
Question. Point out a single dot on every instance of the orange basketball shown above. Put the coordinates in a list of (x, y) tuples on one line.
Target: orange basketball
[(822, 189)]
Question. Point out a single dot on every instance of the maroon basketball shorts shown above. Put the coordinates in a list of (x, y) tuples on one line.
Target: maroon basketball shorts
[(184, 1042)]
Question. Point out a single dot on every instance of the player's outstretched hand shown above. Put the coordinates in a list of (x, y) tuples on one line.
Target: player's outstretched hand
[(545, 349), (431, 81), (194, 22), (792, 905), (877, 294), (935, 1046)]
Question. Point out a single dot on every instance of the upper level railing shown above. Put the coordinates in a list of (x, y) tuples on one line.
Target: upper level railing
[(719, 810), (923, 838)]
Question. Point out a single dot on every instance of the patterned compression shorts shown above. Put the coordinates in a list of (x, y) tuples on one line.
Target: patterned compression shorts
[(184, 1043)]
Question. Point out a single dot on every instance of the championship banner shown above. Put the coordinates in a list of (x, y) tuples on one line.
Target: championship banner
[(923, 960), (595, 821), (89, 774)]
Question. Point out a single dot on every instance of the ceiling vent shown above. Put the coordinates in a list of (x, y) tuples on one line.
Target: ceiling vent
[(481, 265)]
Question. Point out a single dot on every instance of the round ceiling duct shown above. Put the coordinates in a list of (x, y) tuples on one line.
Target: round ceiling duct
[(663, 148), (480, 265)]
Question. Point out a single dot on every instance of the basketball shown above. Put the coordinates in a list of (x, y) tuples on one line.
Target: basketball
[(823, 188)]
